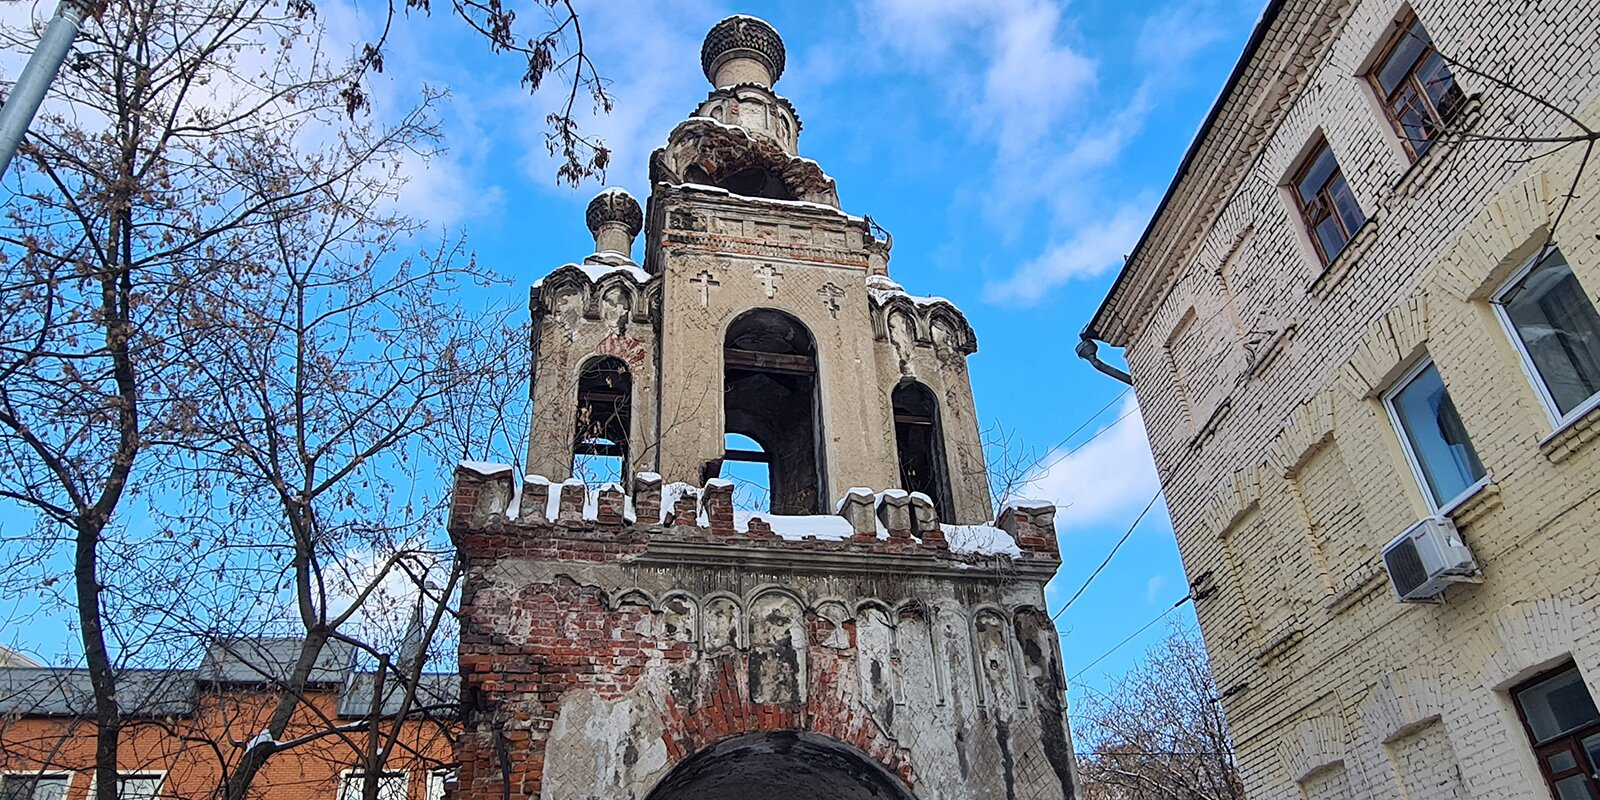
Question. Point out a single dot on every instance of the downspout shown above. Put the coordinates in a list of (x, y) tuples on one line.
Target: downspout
[(1088, 350)]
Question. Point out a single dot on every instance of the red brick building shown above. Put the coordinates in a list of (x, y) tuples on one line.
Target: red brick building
[(186, 729)]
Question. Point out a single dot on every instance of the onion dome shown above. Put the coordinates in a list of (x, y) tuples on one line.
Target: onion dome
[(741, 36), (614, 206)]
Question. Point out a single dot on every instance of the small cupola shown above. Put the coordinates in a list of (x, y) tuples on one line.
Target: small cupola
[(742, 49), (614, 218)]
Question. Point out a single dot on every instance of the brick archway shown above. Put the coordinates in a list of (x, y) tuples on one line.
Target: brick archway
[(779, 765)]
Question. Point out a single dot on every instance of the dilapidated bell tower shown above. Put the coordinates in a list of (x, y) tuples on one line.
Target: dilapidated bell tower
[(878, 632)]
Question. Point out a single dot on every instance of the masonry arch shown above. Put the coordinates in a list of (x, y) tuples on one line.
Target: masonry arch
[(919, 440), (771, 395), (603, 421), (780, 765)]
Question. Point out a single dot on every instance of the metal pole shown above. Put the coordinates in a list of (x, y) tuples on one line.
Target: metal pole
[(19, 108)]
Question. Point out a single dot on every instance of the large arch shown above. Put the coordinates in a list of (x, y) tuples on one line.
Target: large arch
[(771, 394), (780, 765)]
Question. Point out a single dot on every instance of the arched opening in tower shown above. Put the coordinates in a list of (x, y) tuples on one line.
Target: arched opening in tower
[(756, 181), (770, 395), (919, 438), (745, 463), (600, 437), (780, 765)]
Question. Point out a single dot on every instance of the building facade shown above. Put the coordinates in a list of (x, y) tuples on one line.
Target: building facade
[(185, 730), (1367, 301), (871, 634)]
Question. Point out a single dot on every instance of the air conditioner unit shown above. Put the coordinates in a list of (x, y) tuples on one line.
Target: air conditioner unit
[(1426, 558)]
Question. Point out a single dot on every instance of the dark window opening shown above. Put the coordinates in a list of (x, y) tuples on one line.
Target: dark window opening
[(600, 438), (919, 438), (747, 182), (770, 395), (1417, 88), (1329, 208), (744, 462), (1561, 721)]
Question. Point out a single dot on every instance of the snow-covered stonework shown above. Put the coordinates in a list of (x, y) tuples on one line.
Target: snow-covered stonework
[(608, 638)]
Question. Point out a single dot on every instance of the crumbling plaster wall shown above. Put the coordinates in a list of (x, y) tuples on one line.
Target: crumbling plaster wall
[(576, 318), (717, 257), (598, 655)]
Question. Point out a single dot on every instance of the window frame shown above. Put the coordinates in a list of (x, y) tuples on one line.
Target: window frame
[(1406, 378), (345, 776), (1530, 370), (1308, 160), (1414, 149), (64, 774), (1571, 740), (159, 774)]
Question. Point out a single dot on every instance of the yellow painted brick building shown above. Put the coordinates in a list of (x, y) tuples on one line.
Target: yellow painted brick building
[(1368, 299)]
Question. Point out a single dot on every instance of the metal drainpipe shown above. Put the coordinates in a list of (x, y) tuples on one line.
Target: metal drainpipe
[(1087, 350), (36, 77)]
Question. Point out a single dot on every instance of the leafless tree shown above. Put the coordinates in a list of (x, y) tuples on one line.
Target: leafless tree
[(1158, 733), (204, 310)]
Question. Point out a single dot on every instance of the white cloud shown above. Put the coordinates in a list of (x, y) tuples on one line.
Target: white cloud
[(1109, 479), (1152, 588), (1090, 251)]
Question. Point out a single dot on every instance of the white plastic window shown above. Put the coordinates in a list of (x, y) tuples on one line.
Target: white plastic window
[(1435, 441), (139, 786), (1555, 327), (391, 785)]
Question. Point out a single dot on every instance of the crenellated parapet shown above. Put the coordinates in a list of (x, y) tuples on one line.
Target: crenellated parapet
[(489, 500)]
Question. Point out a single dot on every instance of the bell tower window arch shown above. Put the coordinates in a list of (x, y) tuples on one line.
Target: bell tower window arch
[(603, 421), (771, 395), (919, 440)]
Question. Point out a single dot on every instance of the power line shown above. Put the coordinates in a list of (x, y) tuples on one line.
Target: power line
[(1092, 417), (1175, 606), (1114, 549)]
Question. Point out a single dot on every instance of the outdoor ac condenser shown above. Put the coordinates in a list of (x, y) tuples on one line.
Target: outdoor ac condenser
[(1426, 558)]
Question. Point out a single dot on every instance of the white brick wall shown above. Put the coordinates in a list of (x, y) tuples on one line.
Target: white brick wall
[(1287, 493)]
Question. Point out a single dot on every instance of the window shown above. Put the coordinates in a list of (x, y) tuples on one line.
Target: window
[(1556, 329), (600, 441), (1561, 720), (33, 786), (920, 444), (1330, 211), (139, 786), (1435, 441), (1416, 87), (391, 785), (771, 396)]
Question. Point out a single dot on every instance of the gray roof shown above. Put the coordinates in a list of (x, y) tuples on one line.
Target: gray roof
[(435, 689), (45, 691), (271, 660), (67, 692)]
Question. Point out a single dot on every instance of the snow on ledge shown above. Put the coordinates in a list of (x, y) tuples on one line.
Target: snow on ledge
[(594, 272), (487, 469), (882, 289), (983, 540)]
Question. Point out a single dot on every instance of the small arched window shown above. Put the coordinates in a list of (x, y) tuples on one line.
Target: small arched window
[(600, 437), (770, 395), (919, 438)]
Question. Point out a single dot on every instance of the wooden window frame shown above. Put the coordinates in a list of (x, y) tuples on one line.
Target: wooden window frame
[(1435, 117), (1570, 741), (1322, 206)]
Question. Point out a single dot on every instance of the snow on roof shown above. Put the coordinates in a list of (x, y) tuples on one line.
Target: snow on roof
[(882, 289), (487, 469), (594, 272)]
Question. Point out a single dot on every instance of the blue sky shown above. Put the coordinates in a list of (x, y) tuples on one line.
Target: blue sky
[(1015, 149)]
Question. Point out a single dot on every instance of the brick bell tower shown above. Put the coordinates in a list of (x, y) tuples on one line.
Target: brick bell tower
[(874, 635)]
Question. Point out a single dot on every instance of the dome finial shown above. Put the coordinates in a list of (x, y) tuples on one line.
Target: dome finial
[(742, 49), (614, 218)]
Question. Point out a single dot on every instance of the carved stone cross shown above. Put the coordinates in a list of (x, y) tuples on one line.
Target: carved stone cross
[(830, 295), (705, 281), (768, 275)]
